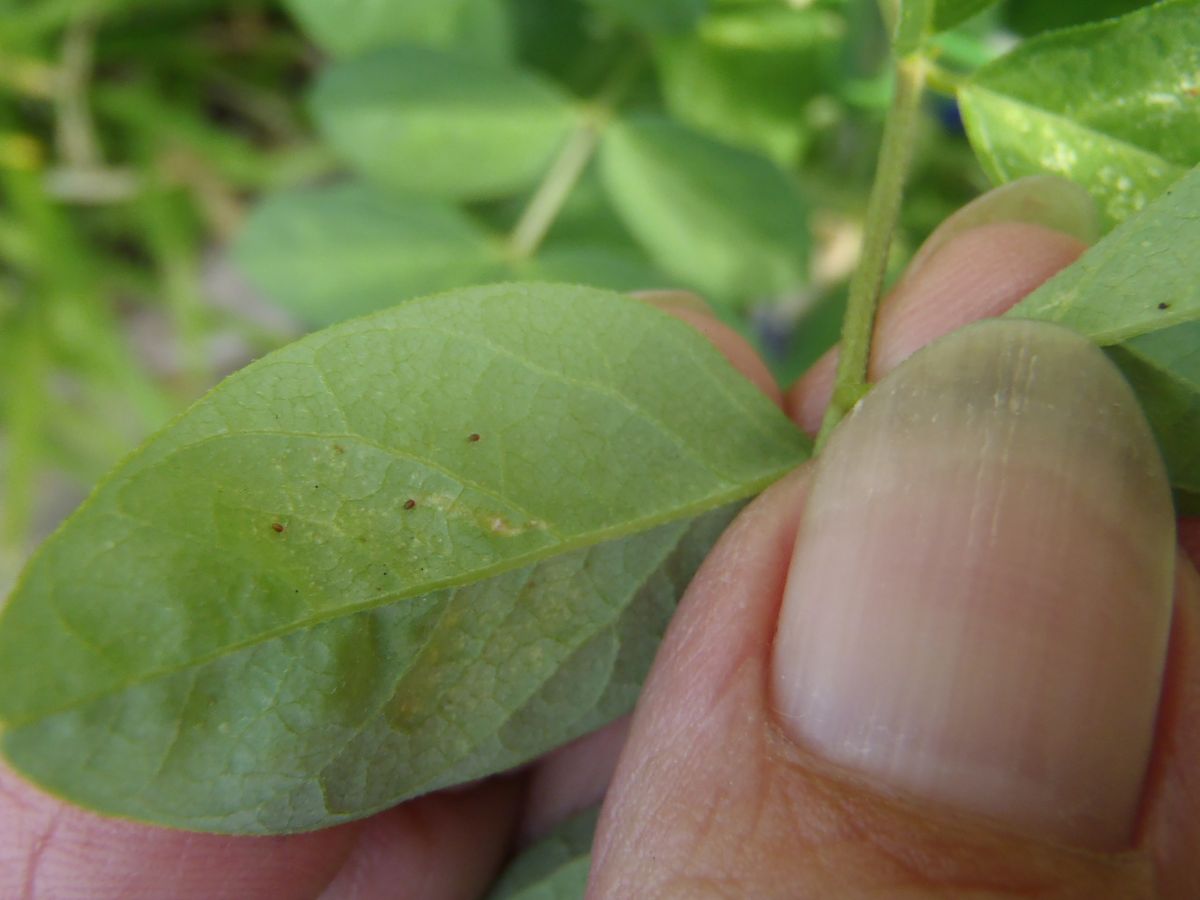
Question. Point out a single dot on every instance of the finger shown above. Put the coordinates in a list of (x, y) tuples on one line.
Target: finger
[(962, 691), (979, 273), (1171, 820), (570, 780), (443, 846), (1189, 538), (50, 849)]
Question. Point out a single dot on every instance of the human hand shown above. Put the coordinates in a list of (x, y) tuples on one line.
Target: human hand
[(724, 789)]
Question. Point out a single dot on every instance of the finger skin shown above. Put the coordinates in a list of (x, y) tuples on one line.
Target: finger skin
[(1170, 827), (711, 799), (1189, 539), (570, 779), (51, 850), (443, 846)]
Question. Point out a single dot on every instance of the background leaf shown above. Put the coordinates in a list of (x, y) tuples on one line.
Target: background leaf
[(350, 27), (1137, 294), (1114, 106), (653, 16), (440, 123), (331, 253), (719, 218), (249, 628), (1030, 17), (747, 74), (556, 867), (948, 13), (602, 265)]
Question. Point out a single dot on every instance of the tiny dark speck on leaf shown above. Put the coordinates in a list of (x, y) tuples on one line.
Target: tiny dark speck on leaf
[(277, 527), (338, 448), (409, 504), (1164, 306), (473, 438)]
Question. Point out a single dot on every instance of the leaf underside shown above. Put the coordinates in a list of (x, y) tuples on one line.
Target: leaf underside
[(411, 550)]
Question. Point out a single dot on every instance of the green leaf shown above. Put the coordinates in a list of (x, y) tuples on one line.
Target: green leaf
[(439, 123), (720, 218), (1114, 106), (351, 27), (330, 253), (654, 16), (1137, 294), (600, 265), (948, 13), (1030, 17), (556, 867), (249, 628), (747, 75)]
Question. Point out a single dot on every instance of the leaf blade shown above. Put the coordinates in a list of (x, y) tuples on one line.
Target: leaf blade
[(556, 867), (440, 123), (1113, 105), (720, 218), (351, 27), (334, 252), (653, 16), (175, 566)]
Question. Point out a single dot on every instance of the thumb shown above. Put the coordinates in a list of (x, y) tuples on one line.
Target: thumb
[(929, 667)]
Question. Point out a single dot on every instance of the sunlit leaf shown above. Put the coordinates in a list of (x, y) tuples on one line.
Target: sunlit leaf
[(1114, 106)]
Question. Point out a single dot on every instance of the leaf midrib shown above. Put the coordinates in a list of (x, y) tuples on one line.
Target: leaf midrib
[(739, 492)]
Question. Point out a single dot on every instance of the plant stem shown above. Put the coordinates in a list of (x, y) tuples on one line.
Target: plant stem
[(883, 210), (74, 137), (547, 201)]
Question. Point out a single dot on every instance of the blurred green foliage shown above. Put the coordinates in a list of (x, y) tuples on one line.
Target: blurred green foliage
[(132, 136), (408, 146)]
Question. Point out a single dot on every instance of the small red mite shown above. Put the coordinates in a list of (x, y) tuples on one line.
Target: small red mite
[(277, 527), (409, 504), (473, 438)]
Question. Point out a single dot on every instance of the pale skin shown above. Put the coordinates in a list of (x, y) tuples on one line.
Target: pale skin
[(710, 798)]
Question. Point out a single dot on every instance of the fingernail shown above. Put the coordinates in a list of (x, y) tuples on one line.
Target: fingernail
[(1046, 200), (977, 609), (673, 300)]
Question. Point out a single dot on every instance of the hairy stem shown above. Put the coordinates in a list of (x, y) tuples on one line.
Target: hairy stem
[(547, 201), (883, 210)]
